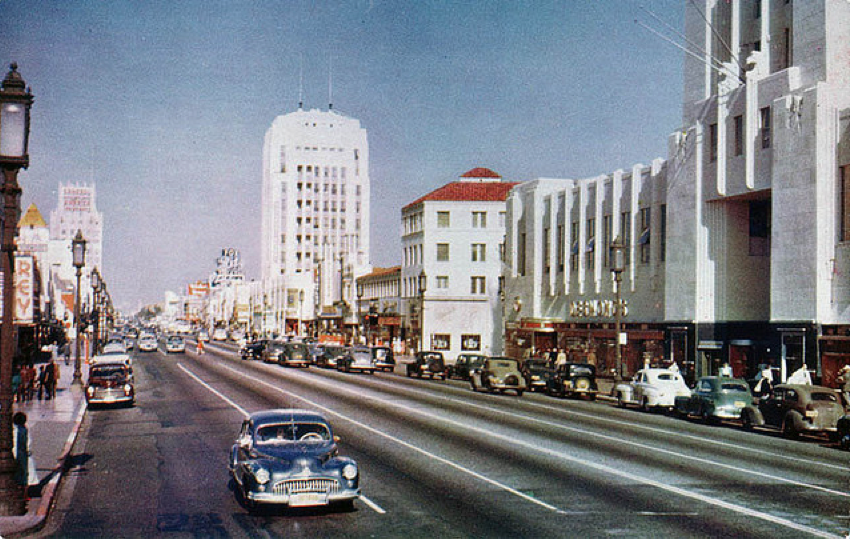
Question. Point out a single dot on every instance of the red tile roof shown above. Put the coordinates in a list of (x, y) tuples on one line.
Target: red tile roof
[(480, 172), (468, 191)]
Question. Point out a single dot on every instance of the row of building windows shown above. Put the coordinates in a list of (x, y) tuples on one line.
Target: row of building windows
[(477, 285), (326, 205), (468, 342), (738, 134), (478, 219), (478, 252)]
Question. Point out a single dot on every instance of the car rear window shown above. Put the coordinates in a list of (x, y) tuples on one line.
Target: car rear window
[(733, 387), (824, 397)]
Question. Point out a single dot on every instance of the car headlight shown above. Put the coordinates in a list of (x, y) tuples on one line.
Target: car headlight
[(261, 474), (90, 390), (128, 389), (349, 471)]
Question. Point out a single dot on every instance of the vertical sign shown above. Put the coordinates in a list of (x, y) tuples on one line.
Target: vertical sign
[(24, 299)]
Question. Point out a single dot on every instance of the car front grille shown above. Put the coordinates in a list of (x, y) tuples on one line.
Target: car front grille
[(301, 486)]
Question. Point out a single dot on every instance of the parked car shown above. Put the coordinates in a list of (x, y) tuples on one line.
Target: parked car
[(384, 358), (430, 364), (497, 374), (714, 398), (843, 431), (290, 457), (115, 344), (203, 335), (358, 358), (219, 334), (110, 382), (463, 364), (174, 344), (572, 380), (294, 354), (253, 350), (537, 372), (652, 388), (797, 409), (329, 356), (147, 343)]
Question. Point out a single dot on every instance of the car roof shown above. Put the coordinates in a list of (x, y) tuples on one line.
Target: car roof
[(286, 415)]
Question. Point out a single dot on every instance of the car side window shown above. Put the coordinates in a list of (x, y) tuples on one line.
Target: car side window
[(779, 394)]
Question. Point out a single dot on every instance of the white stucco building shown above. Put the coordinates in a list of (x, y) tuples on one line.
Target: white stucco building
[(454, 236), (315, 210)]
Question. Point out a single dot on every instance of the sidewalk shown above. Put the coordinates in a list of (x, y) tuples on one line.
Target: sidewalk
[(53, 427)]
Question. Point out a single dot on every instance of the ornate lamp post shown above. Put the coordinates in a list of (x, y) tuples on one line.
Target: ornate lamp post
[(15, 102), (618, 265), (423, 283), (301, 313), (78, 252), (95, 284), (360, 308)]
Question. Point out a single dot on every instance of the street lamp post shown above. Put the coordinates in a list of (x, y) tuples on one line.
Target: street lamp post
[(423, 284), (360, 309), (301, 313), (95, 284), (15, 102), (618, 265), (78, 251)]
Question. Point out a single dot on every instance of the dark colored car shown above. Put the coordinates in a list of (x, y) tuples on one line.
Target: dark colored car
[(384, 358), (714, 398), (294, 354), (290, 457), (843, 431), (110, 383), (430, 364), (797, 409), (463, 364), (573, 380), (253, 350), (537, 372), (497, 374), (330, 354)]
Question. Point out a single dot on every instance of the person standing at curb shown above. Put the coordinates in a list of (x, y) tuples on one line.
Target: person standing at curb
[(25, 474)]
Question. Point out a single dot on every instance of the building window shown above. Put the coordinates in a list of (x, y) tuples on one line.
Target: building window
[(739, 135), (561, 249), (443, 219), (442, 282), (645, 234), (844, 226), (764, 127), (662, 251), (521, 254), (546, 249), (441, 341), (760, 228), (501, 219), (470, 343), (574, 246), (712, 143), (479, 252), (477, 285), (479, 219), (590, 248), (442, 252), (756, 9), (607, 241), (626, 235), (788, 48), (502, 251)]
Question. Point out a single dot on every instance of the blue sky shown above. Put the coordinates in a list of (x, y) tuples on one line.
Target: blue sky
[(164, 105)]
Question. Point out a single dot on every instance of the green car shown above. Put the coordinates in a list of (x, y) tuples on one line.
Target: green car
[(716, 397)]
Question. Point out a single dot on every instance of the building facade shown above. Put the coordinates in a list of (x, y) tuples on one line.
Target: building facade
[(452, 252), (378, 307), (315, 210), (753, 267)]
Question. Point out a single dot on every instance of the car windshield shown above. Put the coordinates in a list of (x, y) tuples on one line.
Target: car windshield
[(736, 387), (112, 372), (824, 397), (432, 357), (536, 363), (284, 433), (578, 370), (361, 355), (175, 340), (381, 353)]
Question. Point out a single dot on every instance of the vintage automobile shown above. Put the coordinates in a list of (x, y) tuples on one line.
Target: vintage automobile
[(110, 382), (463, 364), (174, 344), (537, 371), (115, 344), (652, 388), (573, 380), (290, 458), (253, 350), (427, 363), (295, 354), (384, 358), (796, 409), (714, 398), (358, 358), (329, 356), (147, 343), (843, 432), (497, 374)]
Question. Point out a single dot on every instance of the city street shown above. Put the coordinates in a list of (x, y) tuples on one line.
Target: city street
[(437, 460)]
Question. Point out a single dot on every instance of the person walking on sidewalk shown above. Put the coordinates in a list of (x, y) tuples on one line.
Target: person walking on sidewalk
[(49, 381), (66, 349), (25, 474)]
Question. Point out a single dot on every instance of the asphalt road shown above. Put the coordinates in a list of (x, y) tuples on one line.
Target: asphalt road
[(438, 460)]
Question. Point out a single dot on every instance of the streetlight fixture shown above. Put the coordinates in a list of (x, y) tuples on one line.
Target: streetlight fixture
[(15, 102), (301, 313), (423, 285), (360, 308), (78, 253), (618, 265)]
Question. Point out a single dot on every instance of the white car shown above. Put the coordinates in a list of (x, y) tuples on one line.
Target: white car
[(147, 343), (219, 334), (174, 344), (652, 388)]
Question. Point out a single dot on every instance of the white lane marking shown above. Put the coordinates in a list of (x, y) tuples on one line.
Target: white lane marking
[(399, 441), (375, 507), (243, 411), (557, 454)]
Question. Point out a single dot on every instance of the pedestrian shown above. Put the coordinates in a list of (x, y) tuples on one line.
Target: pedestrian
[(41, 381), (561, 358), (800, 376), (25, 473), (764, 381), (66, 349), (200, 348), (57, 371), (49, 381), (726, 370), (26, 383), (17, 379), (843, 382)]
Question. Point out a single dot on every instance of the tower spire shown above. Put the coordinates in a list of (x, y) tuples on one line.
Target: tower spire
[(301, 81), (331, 83)]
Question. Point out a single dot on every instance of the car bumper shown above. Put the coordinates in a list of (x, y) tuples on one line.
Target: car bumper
[(304, 499), (389, 366), (110, 398)]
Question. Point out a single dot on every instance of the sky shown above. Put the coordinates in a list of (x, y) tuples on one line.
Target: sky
[(163, 106)]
